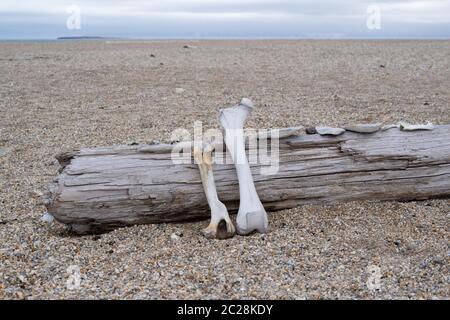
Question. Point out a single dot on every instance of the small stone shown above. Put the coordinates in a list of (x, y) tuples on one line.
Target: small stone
[(48, 218), (36, 193), (3, 152), (404, 126), (311, 130), (175, 237), (179, 90), (438, 260)]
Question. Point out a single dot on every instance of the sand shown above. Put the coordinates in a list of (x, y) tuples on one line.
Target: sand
[(57, 96)]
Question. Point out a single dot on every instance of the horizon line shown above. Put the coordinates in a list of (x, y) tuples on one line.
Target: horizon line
[(113, 38)]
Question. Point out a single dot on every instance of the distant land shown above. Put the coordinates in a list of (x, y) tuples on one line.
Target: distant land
[(85, 38)]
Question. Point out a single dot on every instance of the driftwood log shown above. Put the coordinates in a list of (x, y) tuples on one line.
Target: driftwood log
[(99, 189)]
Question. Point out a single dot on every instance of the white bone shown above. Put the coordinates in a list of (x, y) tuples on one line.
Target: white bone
[(220, 226), (404, 126), (329, 131), (48, 218), (364, 128), (251, 215), (389, 126)]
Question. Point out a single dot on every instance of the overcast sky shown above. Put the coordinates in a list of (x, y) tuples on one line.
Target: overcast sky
[(31, 19)]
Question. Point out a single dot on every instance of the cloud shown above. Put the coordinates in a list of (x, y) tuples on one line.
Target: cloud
[(227, 7), (430, 11), (344, 17)]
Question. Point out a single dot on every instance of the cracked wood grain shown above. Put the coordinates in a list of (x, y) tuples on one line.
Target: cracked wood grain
[(99, 189)]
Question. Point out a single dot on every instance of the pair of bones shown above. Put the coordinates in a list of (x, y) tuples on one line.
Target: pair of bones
[(251, 215)]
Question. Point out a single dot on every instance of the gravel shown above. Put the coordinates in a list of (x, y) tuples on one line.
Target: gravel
[(57, 96)]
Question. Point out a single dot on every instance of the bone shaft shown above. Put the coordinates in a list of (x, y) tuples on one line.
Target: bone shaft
[(246, 188), (234, 140), (235, 143), (207, 176), (210, 189)]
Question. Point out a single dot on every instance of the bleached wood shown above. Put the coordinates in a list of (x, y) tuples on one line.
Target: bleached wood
[(99, 189)]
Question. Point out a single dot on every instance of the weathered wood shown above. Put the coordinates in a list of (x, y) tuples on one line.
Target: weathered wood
[(99, 189)]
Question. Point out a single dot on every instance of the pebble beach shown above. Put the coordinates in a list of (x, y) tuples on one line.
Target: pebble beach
[(58, 96)]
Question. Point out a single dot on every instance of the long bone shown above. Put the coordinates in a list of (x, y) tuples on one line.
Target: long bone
[(220, 226), (251, 215)]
